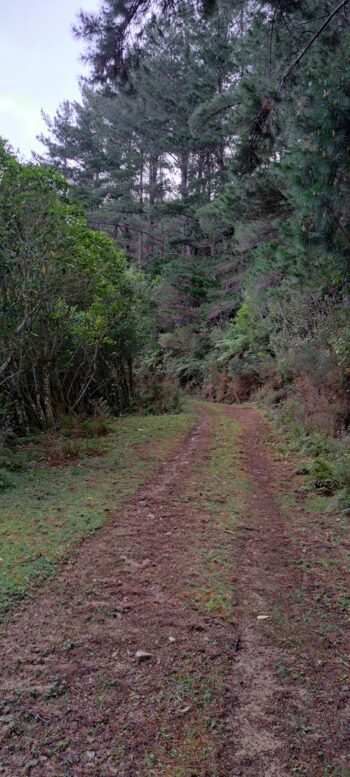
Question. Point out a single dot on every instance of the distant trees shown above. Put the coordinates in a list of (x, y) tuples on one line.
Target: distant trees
[(225, 181), (140, 166)]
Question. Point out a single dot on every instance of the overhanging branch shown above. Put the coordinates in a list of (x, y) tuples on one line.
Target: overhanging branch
[(329, 18)]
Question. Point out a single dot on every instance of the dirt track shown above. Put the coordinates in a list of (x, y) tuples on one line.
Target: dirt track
[(118, 668)]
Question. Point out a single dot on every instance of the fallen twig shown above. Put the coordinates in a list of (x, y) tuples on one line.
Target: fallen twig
[(248, 528)]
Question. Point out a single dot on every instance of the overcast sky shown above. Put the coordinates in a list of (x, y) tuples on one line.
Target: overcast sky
[(39, 64)]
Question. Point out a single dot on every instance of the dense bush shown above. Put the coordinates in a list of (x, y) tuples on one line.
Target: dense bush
[(69, 308)]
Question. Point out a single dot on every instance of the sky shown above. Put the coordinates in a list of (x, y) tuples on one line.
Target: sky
[(39, 65)]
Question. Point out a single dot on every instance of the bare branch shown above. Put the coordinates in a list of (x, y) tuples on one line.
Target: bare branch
[(329, 18)]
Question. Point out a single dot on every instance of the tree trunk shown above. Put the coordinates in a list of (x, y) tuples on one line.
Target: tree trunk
[(47, 401), (153, 176)]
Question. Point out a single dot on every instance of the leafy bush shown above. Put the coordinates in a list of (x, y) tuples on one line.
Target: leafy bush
[(246, 338), (318, 444), (68, 342), (322, 477)]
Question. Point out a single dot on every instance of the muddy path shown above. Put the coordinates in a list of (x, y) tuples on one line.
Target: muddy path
[(175, 641)]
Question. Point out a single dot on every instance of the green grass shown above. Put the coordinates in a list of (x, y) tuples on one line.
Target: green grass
[(49, 509), (219, 499)]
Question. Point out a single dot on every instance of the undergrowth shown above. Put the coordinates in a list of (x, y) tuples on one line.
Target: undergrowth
[(325, 458)]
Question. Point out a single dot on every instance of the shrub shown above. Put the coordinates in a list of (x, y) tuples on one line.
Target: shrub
[(161, 397), (342, 471), (101, 409), (95, 427), (323, 477), (69, 425), (14, 461), (317, 444), (72, 449), (6, 480)]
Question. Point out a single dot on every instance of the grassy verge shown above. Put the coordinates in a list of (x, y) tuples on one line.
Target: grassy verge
[(50, 507), (324, 459), (318, 517), (218, 505), (310, 622)]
